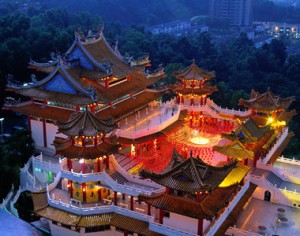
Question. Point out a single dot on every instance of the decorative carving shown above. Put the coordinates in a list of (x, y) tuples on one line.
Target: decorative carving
[(93, 93), (33, 78)]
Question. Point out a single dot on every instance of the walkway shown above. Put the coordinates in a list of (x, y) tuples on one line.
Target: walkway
[(276, 180)]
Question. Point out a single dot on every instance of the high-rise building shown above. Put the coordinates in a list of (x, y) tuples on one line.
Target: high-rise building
[(236, 12)]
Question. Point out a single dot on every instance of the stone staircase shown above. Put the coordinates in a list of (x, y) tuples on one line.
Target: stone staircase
[(274, 179), (118, 177)]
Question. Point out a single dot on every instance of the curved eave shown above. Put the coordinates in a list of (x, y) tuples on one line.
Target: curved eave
[(197, 91), (86, 124), (58, 70), (87, 152), (39, 111)]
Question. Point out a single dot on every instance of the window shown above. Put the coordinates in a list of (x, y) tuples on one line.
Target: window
[(37, 170)]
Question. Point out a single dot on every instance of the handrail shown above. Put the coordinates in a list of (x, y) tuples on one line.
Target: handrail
[(53, 185), (133, 178), (15, 199), (227, 111), (151, 130), (234, 231), (116, 209), (281, 137), (7, 198), (217, 224)]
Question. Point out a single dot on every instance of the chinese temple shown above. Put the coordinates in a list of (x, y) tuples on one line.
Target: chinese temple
[(118, 160)]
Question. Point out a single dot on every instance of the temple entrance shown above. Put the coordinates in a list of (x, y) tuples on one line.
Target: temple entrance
[(267, 196)]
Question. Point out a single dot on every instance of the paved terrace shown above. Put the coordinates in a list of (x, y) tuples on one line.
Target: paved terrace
[(152, 115), (290, 167), (263, 213)]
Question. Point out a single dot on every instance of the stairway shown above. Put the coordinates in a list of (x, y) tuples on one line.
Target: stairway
[(116, 176), (274, 179)]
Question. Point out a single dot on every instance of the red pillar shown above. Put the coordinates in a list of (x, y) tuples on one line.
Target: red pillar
[(115, 198), (44, 133), (29, 123), (77, 108), (198, 197), (149, 209), (201, 100), (98, 164), (161, 216), (83, 186), (107, 83), (92, 108), (123, 196), (69, 163), (252, 112), (107, 162), (70, 185), (131, 203), (192, 101), (99, 194), (95, 140), (83, 141), (125, 232), (200, 227)]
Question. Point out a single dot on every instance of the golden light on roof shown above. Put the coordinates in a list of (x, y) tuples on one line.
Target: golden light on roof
[(236, 175), (270, 120)]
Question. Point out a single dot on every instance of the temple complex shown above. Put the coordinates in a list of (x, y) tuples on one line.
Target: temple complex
[(116, 159)]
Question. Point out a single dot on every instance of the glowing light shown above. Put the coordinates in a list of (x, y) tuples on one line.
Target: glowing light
[(81, 161), (199, 140), (270, 120)]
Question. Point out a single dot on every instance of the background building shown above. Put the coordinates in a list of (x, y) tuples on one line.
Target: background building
[(237, 12)]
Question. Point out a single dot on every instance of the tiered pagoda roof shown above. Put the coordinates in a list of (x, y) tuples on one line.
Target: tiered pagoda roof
[(58, 86), (86, 124), (236, 150), (209, 207), (192, 175), (248, 131), (195, 74), (41, 208), (65, 148), (267, 101), (79, 77)]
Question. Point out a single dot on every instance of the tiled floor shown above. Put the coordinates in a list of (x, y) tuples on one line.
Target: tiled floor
[(288, 169), (262, 213)]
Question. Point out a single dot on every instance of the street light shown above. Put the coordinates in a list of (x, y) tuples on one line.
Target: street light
[(1, 120)]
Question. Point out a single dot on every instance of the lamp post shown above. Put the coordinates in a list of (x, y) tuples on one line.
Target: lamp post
[(1, 120)]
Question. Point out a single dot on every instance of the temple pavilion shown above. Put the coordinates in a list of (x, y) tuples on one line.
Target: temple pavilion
[(118, 160)]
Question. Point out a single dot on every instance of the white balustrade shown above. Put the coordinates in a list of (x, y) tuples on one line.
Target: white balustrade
[(280, 139), (170, 119), (217, 224), (136, 179)]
